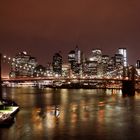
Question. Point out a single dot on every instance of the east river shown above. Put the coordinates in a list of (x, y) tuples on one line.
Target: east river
[(73, 114)]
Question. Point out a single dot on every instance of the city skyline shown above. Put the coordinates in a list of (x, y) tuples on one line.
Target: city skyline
[(41, 28), (80, 57), (24, 64), (65, 54)]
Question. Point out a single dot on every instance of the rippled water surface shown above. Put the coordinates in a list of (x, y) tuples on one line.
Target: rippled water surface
[(73, 114)]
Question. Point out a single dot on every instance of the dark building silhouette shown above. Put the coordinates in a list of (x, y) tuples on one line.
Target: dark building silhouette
[(57, 64), (39, 71), (138, 64), (118, 60), (75, 59)]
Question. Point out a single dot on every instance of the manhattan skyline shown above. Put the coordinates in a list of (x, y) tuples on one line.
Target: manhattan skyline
[(43, 28)]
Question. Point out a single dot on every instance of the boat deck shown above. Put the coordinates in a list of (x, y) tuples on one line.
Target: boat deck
[(10, 110)]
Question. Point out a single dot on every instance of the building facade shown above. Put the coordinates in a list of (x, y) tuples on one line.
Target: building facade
[(57, 64), (123, 52), (75, 60), (23, 65)]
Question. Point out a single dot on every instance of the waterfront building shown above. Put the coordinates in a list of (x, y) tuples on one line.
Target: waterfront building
[(39, 71), (66, 70), (49, 70), (23, 65), (57, 64)]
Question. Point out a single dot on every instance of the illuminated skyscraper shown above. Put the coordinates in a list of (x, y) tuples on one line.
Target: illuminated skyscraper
[(94, 63), (78, 55), (111, 64), (72, 56), (90, 68), (105, 63), (123, 52), (138, 64), (96, 55)]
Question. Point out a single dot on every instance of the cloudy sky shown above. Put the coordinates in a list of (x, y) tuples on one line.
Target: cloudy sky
[(43, 27)]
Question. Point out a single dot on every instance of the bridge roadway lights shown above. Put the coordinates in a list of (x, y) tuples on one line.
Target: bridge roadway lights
[(128, 87)]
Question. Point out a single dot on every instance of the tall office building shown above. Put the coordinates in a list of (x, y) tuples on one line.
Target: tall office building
[(71, 56), (111, 64), (119, 60), (138, 64), (105, 63), (123, 52), (94, 63), (96, 55), (90, 68), (105, 59), (57, 64), (75, 59), (78, 55)]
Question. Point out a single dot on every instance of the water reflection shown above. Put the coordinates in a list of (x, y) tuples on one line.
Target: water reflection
[(72, 114)]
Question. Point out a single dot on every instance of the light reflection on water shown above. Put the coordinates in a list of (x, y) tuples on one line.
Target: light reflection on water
[(72, 114)]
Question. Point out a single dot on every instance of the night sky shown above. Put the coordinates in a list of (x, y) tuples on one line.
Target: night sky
[(43, 27)]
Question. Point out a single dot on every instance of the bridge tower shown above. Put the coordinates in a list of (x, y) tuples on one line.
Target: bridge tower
[(0, 78), (128, 85)]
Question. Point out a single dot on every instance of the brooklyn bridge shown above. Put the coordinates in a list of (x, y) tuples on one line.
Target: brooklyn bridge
[(127, 82)]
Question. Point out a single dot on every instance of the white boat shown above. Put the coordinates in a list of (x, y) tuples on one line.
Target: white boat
[(6, 119), (7, 111)]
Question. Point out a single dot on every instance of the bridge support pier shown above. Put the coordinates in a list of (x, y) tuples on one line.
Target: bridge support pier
[(0, 79), (128, 87)]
